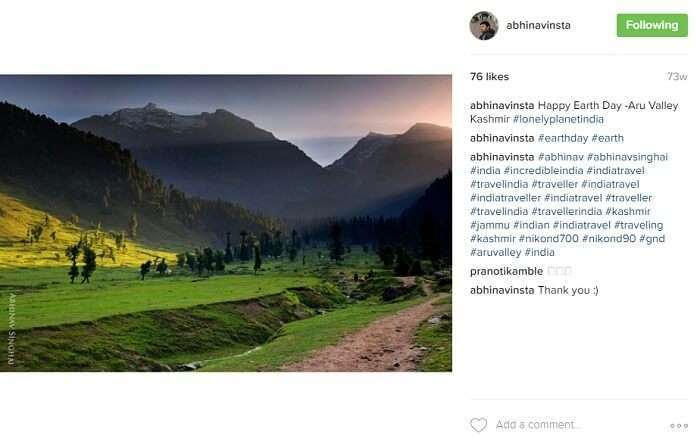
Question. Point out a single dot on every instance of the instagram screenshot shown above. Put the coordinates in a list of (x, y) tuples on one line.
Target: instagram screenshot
[(579, 241), (349, 223)]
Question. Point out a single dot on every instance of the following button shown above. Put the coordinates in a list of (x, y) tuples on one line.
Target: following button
[(652, 25)]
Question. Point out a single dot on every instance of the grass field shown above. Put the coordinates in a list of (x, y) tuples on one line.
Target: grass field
[(44, 296), (161, 339)]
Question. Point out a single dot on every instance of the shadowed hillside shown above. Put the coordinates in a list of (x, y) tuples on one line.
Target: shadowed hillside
[(92, 181)]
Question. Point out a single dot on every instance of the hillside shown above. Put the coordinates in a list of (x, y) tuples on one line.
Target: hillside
[(83, 178), (433, 208), (363, 155), (393, 169), (49, 250)]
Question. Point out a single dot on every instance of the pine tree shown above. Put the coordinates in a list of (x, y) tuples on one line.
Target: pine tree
[(200, 261), (265, 244), (191, 261), (228, 256), (293, 246), (430, 239), (258, 259), (72, 253), (386, 255), (336, 243), (208, 255), (277, 245), (219, 261), (90, 264), (403, 263), (244, 252), (296, 243)]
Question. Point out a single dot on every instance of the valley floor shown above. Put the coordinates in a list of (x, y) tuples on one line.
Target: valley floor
[(289, 317)]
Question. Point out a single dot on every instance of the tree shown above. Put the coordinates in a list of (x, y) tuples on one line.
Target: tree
[(219, 261), (145, 269), (199, 256), (244, 252), (430, 239), (191, 261), (228, 257), (265, 244), (90, 264), (133, 225), (162, 267), (403, 263), (336, 243), (386, 255), (293, 246), (296, 242), (208, 255), (72, 253), (181, 259), (277, 245), (258, 259)]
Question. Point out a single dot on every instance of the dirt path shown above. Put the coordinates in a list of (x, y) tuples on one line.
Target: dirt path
[(386, 344)]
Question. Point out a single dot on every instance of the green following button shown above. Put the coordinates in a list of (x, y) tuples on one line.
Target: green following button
[(652, 25)]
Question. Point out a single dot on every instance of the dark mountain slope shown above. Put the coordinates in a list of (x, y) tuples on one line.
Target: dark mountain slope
[(66, 171), (383, 174), (432, 212)]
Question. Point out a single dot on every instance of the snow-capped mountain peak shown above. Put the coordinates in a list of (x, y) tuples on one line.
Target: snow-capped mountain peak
[(154, 117)]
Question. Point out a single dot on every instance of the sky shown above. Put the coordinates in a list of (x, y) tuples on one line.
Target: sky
[(320, 114)]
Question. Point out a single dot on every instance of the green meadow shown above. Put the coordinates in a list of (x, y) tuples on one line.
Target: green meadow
[(44, 297), (230, 320)]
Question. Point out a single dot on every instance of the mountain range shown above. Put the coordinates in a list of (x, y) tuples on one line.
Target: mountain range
[(220, 155)]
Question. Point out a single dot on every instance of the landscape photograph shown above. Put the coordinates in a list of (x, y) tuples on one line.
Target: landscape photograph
[(226, 223)]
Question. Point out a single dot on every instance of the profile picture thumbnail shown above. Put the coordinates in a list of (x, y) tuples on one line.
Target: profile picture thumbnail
[(483, 25)]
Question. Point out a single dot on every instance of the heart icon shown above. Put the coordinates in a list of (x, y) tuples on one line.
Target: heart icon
[(478, 424)]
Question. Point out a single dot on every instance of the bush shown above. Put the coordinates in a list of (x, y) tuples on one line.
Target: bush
[(393, 293)]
